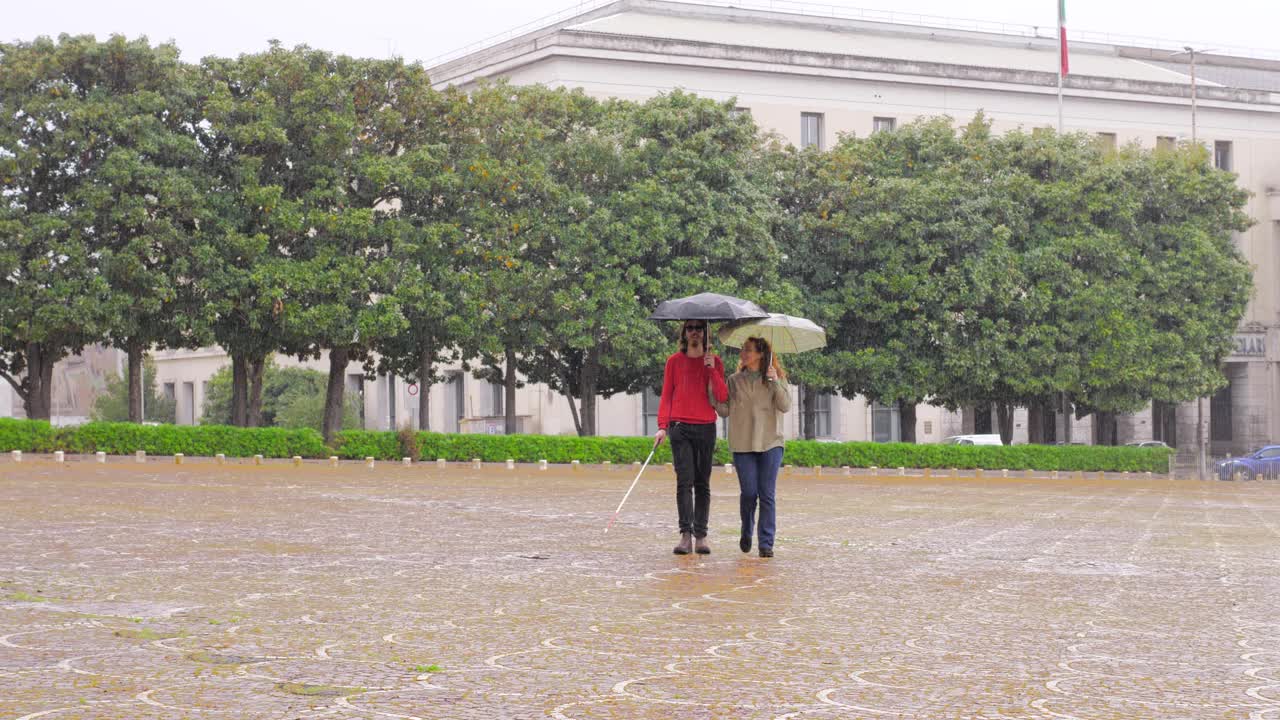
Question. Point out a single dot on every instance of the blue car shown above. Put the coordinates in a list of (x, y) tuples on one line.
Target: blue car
[(1264, 463)]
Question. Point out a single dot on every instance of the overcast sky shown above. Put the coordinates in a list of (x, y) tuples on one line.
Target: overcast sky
[(428, 28)]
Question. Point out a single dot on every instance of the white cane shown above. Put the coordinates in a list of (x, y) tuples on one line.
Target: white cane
[(633, 487)]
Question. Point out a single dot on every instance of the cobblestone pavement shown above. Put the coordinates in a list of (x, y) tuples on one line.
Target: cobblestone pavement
[(239, 591)]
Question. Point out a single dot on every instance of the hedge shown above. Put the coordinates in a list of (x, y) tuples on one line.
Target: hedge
[(208, 440)]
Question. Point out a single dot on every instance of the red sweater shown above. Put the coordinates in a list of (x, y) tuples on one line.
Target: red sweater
[(684, 390)]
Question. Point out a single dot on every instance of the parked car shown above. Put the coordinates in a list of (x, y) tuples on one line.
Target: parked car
[(1148, 444), (973, 440), (1264, 463)]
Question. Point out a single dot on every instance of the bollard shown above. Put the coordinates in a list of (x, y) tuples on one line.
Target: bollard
[(542, 464), (728, 468), (874, 470), (1004, 472), (846, 470), (333, 461), (1053, 475), (902, 472), (1148, 474), (140, 456), (1079, 474), (59, 456), (17, 455), (297, 460), (608, 465), (442, 463), (954, 473), (257, 459), (178, 458), (669, 465), (511, 464), (221, 458), (817, 469), (368, 461), (575, 465), (475, 463), (791, 469), (101, 456), (977, 472), (406, 461), (1030, 473), (1124, 475), (928, 472)]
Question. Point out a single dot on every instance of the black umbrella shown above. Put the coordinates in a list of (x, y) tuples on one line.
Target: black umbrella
[(708, 306)]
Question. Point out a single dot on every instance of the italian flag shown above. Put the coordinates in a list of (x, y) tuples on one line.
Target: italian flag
[(1062, 36)]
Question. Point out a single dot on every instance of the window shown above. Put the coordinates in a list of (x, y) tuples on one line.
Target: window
[(497, 394), (170, 391), (883, 124), (735, 113), (885, 423), (811, 130), (822, 415), (1107, 140), (1166, 142), (649, 410), (1222, 155)]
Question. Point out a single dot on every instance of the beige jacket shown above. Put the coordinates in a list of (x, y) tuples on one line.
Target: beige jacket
[(755, 412)]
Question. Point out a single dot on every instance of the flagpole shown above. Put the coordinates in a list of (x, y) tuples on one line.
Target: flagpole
[(1062, 54)]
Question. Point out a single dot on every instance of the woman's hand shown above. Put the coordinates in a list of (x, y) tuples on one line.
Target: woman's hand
[(772, 374), (658, 437)]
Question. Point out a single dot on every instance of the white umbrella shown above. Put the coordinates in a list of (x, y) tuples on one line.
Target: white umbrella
[(785, 333)]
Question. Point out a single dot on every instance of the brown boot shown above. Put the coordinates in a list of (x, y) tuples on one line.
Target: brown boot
[(686, 544), (701, 547)]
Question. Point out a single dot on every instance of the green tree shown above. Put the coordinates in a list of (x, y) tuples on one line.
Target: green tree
[(113, 404), (53, 140), (291, 397), (649, 201)]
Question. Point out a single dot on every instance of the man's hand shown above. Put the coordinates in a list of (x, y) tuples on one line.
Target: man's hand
[(709, 360), (658, 437)]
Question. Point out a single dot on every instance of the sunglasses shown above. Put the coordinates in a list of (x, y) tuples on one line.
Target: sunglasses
[(699, 328)]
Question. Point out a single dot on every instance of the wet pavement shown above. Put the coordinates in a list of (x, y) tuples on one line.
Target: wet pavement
[(240, 591)]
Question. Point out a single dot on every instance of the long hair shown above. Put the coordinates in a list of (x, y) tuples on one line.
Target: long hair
[(767, 358), (684, 340)]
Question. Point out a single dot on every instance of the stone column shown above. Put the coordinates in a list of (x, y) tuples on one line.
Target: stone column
[(1250, 390)]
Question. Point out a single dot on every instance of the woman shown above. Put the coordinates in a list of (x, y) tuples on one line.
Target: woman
[(685, 413), (757, 399)]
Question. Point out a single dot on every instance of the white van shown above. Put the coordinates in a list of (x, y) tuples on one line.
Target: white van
[(973, 440)]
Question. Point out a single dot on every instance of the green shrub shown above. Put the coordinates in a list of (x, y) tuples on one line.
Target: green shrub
[(27, 436), (208, 440)]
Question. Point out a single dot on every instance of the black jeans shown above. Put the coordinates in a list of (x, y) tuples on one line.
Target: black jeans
[(692, 446)]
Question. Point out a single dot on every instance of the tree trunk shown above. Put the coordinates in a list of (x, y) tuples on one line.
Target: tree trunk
[(906, 421), (1068, 419), (573, 410), (37, 401), (239, 390), (424, 393), (134, 352), (334, 393), (590, 381), (509, 393), (808, 413), (257, 367), (1004, 419), (1035, 423)]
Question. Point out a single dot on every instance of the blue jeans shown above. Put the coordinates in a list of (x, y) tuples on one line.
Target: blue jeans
[(758, 481)]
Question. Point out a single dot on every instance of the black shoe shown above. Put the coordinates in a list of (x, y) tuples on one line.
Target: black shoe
[(701, 547), (685, 546), (766, 552), (744, 542)]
